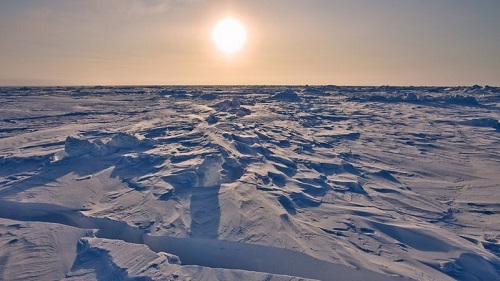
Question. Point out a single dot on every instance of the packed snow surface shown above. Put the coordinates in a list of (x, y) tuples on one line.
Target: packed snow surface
[(250, 183)]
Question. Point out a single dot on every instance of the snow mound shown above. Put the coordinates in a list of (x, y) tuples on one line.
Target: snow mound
[(470, 266), (316, 91), (36, 251), (232, 106), (483, 122), (123, 141), (105, 259), (141, 158), (461, 100), (208, 96), (227, 105), (209, 172), (75, 147), (287, 95)]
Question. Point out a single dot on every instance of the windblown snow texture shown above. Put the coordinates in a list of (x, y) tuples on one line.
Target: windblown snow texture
[(250, 183)]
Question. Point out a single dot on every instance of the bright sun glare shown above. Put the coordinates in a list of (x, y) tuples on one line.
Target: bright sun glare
[(229, 35)]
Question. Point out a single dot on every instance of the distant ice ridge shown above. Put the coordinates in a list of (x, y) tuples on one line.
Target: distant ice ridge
[(75, 147), (433, 96)]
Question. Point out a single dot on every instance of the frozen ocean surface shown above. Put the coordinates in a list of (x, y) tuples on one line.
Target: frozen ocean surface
[(250, 183)]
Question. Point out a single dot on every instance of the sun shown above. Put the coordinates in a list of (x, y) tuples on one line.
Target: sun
[(229, 36)]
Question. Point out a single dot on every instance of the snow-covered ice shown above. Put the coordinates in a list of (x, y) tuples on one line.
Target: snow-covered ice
[(250, 183)]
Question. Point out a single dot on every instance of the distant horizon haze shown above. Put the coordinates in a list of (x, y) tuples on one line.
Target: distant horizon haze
[(6, 85)]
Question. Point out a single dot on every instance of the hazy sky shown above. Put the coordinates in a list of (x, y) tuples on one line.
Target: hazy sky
[(342, 42)]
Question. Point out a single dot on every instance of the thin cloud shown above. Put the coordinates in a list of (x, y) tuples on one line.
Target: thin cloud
[(131, 7)]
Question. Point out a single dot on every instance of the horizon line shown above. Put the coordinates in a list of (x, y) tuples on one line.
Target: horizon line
[(240, 85)]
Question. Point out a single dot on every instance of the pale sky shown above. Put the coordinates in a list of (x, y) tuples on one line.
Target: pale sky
[(341, 42)]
